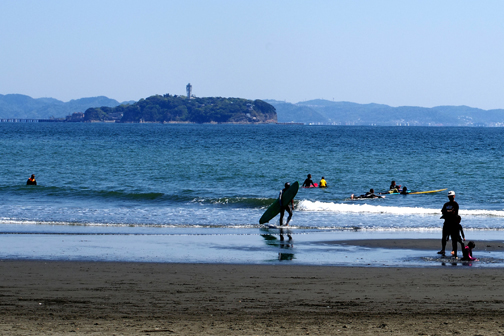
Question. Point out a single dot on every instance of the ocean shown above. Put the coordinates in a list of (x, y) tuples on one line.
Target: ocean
[(196, 184)]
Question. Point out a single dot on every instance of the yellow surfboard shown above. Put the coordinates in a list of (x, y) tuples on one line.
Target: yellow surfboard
[(426, 192)]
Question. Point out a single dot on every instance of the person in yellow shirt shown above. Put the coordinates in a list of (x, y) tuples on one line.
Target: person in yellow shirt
[(323, 183)]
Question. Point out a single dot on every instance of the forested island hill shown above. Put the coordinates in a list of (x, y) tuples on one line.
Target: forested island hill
[(173, 108)]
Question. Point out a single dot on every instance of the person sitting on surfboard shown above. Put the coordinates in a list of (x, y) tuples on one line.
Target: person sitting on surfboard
[(308, 182), (285, 207), (31, 180), (323, 183), (369, 194), (394, 188)]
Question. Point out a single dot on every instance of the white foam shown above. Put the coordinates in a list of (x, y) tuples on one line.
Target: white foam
[(377, 209)]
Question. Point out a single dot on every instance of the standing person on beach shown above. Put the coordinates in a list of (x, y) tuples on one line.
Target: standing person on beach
[(455, 234), (308, 182), (451, 221), (285, 207), (31, 180)]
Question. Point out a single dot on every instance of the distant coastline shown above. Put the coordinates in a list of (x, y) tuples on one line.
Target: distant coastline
[(62, 120), (173, 109), (325, 112)]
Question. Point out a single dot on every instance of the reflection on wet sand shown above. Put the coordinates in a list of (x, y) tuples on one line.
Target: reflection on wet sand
[(281, 243)]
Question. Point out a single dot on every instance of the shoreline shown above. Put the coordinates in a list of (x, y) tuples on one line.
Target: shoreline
[(105, 298), (250, 247), (419, 244)]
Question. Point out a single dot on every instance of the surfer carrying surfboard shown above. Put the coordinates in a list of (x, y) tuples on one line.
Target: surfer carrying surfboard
[(284, 206)]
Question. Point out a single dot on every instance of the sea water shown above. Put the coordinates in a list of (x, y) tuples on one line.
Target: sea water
[(147, 185)]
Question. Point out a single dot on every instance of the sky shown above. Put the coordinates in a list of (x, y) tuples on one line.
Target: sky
[(400, 53)]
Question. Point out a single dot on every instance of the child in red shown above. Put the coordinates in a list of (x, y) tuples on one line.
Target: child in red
[(467, 251)]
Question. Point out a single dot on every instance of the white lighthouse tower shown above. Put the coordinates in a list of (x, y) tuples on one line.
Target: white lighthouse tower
[(188, 90)]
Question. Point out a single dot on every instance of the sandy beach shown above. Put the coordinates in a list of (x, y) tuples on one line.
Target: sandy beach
[(100, 298)]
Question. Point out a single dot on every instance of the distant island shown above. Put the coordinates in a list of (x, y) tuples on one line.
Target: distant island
[(158, 108), (179, 109)]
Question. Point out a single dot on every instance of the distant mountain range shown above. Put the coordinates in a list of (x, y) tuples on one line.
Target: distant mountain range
[(24, 107), (316, 111), (345, 113)]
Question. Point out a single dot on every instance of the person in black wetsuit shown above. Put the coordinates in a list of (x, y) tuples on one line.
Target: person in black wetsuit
[(451, 220), (31, 180), (369, 194), (308, 182), (404, 190), (394, 188), (285, 207)]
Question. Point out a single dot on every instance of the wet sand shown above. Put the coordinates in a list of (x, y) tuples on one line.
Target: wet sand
[(420, 244), (99, 298)]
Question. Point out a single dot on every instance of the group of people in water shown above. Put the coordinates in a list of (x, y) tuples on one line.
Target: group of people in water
[(394, 189), (451, 227), (308, 183)]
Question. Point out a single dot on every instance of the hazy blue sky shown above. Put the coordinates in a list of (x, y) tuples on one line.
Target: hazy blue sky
[(424, 53)]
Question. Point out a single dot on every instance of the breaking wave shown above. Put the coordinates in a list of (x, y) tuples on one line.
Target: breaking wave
[(379, 209)]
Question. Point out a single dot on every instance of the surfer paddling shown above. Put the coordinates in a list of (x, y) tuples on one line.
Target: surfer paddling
[(285, 206), (369, 194)]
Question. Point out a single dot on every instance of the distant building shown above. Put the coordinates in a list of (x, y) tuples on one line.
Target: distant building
[(75, 117), (189, 90)]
